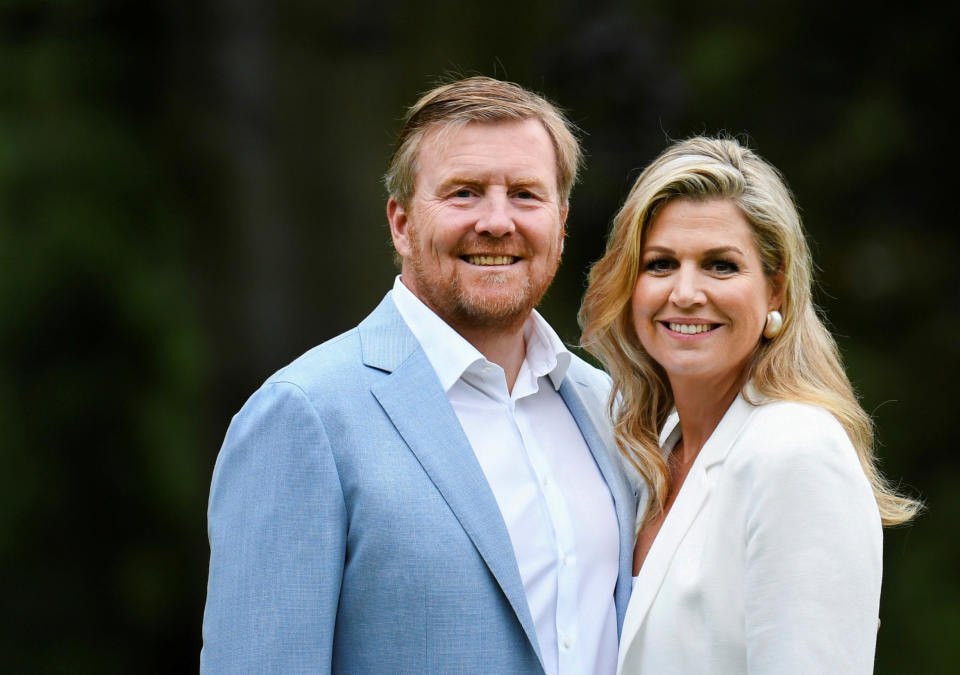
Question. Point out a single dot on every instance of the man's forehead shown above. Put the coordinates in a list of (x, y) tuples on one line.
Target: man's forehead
[(444, 143), (440, 136)]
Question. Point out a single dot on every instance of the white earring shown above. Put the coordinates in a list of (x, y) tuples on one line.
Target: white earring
[(771, 328)]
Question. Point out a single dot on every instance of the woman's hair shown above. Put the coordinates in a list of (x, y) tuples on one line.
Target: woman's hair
[(801, 364)]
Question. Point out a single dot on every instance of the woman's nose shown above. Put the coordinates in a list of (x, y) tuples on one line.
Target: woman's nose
[(687, 288)]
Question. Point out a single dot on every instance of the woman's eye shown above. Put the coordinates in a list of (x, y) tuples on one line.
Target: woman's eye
[(723, 267), (659, 265)]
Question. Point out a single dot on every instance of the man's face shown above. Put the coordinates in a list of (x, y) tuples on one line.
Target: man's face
[(482, 236)]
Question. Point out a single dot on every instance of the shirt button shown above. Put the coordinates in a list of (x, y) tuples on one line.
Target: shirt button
[(566, 643), (544, 481), (565, 559)]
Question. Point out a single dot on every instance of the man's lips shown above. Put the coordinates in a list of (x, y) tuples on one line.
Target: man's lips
[(487, 260)]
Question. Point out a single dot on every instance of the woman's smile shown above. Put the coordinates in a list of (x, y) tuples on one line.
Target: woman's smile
[(687, 328)]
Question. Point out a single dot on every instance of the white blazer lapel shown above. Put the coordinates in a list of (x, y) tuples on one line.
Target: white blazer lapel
[(689, 501), (692, 496)]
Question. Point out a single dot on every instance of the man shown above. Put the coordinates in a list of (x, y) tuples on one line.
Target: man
[(435, 490)]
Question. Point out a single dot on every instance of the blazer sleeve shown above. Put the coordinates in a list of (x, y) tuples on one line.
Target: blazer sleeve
[(277, 529), (813, 554)]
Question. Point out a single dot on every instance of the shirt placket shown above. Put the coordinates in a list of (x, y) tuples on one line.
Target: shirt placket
[(564, 547)]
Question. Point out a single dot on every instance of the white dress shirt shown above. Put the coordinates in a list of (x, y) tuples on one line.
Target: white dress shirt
[(554, 501)]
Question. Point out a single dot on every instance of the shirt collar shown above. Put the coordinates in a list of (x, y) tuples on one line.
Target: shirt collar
[(546, 354), (451, 355)]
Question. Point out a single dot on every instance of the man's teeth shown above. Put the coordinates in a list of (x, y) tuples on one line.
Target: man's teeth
[(490, 259), (690, 328)]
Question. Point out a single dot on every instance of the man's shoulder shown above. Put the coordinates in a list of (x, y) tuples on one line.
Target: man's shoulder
[(592, 383), (328, 378), (590, 376), (327, 363), (380, 341)]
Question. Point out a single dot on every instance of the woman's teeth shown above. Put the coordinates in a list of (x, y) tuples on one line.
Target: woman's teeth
[(690, 328)]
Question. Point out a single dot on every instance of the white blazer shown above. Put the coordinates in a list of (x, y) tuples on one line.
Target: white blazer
[(769, 560)]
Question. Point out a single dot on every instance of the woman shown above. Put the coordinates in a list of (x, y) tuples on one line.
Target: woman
[(760, 546)]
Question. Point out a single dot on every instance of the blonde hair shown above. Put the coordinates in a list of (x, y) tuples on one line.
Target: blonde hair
[(479, 99), (801, 364)]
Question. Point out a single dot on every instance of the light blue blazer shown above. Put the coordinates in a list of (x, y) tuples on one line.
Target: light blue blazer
[(352, 529)]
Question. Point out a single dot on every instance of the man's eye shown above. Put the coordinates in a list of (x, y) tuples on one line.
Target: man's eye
[(463, 193), (525, 194)]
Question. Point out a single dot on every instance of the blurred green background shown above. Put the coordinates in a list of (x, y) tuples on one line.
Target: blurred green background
[(190, 197)]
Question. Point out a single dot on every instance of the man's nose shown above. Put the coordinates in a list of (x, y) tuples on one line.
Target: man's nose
[(687, 288), (496, 216)]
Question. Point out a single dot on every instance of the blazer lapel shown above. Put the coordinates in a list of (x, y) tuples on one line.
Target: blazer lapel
[(624, 499), (692, 496), (415, 402)]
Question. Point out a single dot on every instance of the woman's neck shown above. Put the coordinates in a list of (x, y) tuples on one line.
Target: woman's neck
[(701, 405)]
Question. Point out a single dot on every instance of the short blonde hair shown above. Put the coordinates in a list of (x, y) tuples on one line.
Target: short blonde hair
[(479, 99), (802, 364)]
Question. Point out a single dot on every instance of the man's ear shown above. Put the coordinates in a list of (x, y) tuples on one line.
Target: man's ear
[(564, 211), (397, 217)]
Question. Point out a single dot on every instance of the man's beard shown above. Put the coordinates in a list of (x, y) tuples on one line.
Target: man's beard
[(475, 306)]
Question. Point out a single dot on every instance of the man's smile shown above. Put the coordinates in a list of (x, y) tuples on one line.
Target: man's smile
[(485, 260)]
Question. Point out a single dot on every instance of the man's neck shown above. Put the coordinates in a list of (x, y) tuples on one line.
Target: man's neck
[(502, 343), (506, 348)]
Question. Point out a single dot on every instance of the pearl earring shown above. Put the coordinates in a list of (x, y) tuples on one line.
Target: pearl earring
[(774, 324)]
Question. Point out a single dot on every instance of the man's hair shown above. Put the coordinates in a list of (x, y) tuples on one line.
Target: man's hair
[(479, 99)]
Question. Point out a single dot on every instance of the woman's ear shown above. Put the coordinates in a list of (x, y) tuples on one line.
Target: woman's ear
[(777, 282)]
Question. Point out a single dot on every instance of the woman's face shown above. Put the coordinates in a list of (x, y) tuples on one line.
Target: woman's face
[(701, 298)]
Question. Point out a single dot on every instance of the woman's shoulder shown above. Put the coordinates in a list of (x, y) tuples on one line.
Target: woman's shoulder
[(790, 422), (785, 435), (798, 456)]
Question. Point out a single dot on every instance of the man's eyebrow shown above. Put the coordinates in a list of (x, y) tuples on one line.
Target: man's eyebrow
[(466, 181), (524, 181), (454, 181)]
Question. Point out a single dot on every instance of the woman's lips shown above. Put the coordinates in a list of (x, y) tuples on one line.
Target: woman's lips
[(689, 327)]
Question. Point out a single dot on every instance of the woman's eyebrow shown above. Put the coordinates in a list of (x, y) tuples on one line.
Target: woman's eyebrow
[(719, 250)]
